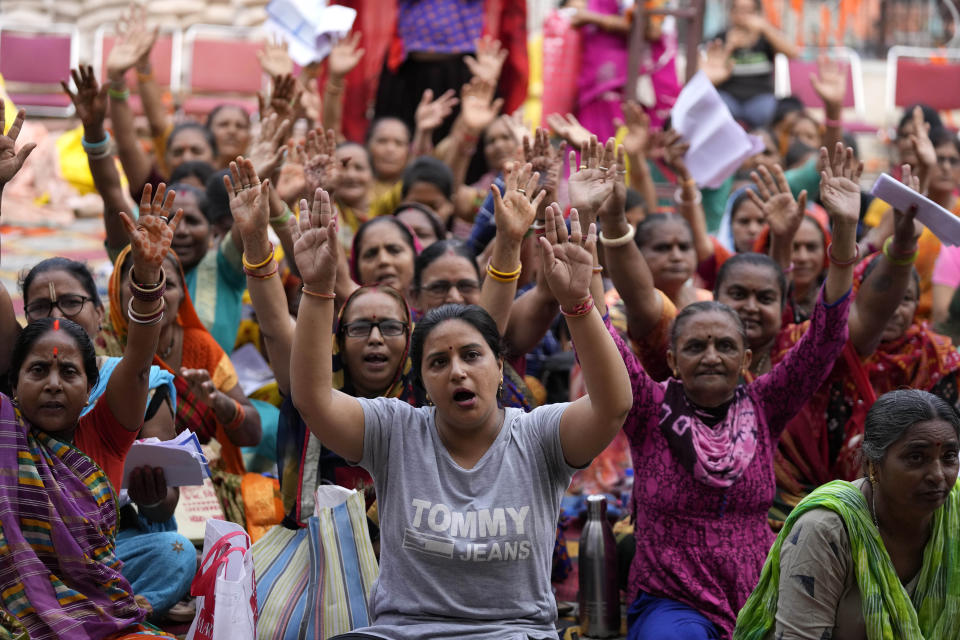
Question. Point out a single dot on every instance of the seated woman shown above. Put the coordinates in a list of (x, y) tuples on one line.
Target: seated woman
[(210, 401), (63, 579), (703, 442), (872, 558), (666, 243), (463, 458)]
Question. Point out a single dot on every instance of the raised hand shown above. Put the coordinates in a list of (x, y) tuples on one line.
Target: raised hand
[(11, 160), (90, 100), (283, 99), (715, 61), (431, 112), (593, 181), (920, 139), (840, 184), (637, 140), (249, 202), (316, 248), (906, 230), (569, 128), (152, 234), (134, 42), (311, 104), (545, 159), (567, 262), (266, 152), (830, 81), (321, 168), (489, 60), (516, 209), (478, 108), (674, 150), (344, 56), (274, 59), (773, 196), (291, 182)]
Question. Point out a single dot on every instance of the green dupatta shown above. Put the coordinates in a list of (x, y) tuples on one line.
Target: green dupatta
[(888, 611)]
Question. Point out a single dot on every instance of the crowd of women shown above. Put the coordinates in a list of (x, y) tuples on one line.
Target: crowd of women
[(762, 356)]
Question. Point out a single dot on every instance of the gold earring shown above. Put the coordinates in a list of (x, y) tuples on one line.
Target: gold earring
[(429, 401), (500, 388)]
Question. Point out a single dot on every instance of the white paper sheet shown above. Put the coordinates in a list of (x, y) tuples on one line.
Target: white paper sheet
[(941, 222), (718, 145), (181, 459), (309, 27), (253, 371)]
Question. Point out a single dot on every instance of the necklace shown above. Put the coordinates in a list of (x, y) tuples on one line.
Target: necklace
[(173, 339)]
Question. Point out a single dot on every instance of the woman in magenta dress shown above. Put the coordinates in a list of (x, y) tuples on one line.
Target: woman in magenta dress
[(703, 442)]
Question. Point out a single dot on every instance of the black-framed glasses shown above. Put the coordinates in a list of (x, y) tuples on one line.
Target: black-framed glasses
[(442, 287), (70, 304), (387, 328), (951, 161)]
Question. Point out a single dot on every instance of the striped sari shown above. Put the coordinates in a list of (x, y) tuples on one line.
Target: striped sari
[(59, 573)]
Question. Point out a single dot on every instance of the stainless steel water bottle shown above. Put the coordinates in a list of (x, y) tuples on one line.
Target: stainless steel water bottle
[(599, 596)]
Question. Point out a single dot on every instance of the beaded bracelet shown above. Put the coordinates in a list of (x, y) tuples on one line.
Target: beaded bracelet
[(238, 417), (282, 218), (581, 309), (146, 318), (118, 94), (262, 276), (318, 294), (503, 276), (843, 263), (626, 238), (900, 262), (151, 292), (254, 267)]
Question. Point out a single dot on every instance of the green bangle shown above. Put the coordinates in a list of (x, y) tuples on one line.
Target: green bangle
[(283, 217), (118, 95), (900, 262)]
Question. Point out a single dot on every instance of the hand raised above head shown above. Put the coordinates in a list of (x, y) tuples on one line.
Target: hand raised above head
[(249, 203), (840, 184), (567, 259), (516, 209), (774, 198), (432, 112), (133, 44), (345, 55), (11, 160), (906, 230), (90, 100), (274, 58), (487, 64), (316, 248), (152, 234), (321, 168)]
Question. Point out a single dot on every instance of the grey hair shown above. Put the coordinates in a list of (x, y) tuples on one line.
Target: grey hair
[(704, 306), (895, 412)]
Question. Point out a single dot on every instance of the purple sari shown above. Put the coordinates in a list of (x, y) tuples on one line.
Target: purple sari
[(59, 575)]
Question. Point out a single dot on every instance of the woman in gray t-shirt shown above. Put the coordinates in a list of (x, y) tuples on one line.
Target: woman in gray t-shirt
[(469, 492)]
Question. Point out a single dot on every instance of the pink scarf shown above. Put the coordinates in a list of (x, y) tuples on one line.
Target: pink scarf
[(716, 456)]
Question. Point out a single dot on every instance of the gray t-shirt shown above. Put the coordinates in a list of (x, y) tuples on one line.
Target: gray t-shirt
[(464, 553)]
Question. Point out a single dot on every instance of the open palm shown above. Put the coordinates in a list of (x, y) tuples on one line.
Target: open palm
[(840, 184), (10, 159), (151, 236), (249, 202), (567, 261), (316, 248)]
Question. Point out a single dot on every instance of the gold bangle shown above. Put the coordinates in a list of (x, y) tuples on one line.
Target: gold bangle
[(500, 276), (261, 265), (318, 294), (504, 274)]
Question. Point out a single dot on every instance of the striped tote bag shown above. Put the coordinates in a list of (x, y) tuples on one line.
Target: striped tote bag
[(313, 583)]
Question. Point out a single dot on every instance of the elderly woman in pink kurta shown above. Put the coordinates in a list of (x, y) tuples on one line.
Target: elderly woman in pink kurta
[(702, 442)]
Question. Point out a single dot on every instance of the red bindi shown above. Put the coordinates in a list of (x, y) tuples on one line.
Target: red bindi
[(54, 352), (56, 324)]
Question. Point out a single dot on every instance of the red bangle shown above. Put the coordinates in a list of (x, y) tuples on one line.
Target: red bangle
[(834, 123), (318, 294), (580, 309), (262, 276), (844, 263)]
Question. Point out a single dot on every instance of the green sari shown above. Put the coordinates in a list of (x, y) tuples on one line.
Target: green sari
[(889, 612)]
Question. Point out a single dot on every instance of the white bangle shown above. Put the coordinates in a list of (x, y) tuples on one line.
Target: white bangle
[(678, 197), (622, 240)]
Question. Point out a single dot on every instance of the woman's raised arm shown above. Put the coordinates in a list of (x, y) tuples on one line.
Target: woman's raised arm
[(333, 416), (840, 195), (589, 424), (251, 217), (150, 239)]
